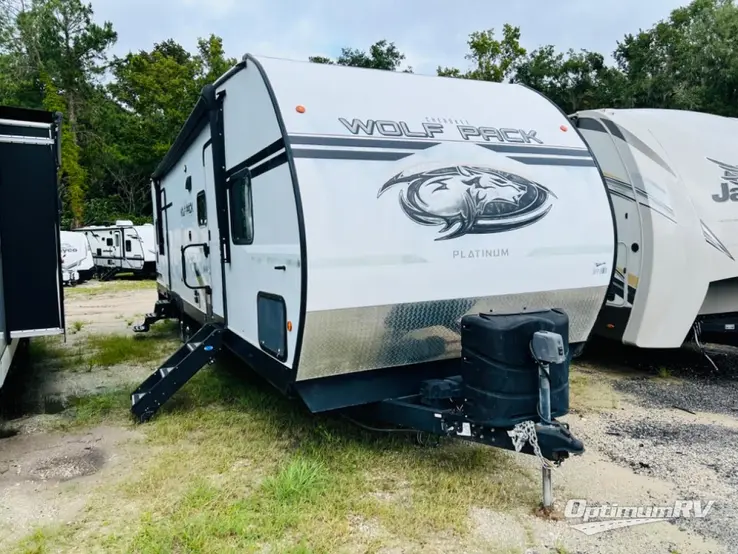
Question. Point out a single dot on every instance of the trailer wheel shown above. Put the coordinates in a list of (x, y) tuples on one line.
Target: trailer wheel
[(427, 439), (576, 350)]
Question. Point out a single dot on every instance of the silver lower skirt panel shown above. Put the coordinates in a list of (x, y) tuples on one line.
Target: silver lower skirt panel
[(361, 339)]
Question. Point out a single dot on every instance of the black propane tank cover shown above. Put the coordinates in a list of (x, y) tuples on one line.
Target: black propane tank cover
[(500, 375)]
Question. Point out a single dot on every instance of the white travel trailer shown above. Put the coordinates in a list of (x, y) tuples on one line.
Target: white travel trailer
[(333, 226), (78, 264), (120, 248), (673, 178), (31, 302), (148, 242)]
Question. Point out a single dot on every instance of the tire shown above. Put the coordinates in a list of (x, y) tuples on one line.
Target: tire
[(576, 350)]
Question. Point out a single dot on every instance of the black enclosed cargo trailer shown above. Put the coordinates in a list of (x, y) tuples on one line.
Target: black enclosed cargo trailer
[(31, 298)]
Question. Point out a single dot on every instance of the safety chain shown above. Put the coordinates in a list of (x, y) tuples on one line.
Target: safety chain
[(526, 431)]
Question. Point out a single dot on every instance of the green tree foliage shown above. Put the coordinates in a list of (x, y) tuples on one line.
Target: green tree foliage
[(153, 94), (122, 114), (381, 55), (573, 80), (493, 60), (689, 61), (54, 52)]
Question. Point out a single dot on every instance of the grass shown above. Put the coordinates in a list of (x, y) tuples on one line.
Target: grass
[(105, 350), (230, 465), (111, 406), (114, 349), (591, 391), (95, 288)]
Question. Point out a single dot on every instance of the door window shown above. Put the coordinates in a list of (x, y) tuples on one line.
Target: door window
[(242, 211), (202, 212), (160, 220)]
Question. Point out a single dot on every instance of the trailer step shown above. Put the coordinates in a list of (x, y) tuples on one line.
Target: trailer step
[(163, 309), (164, 371), (176, 371), (109, 274)]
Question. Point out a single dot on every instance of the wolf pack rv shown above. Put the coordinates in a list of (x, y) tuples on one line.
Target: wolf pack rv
[(673, 178), (118, 248), (31, 302), (78, 265), (352, 260)]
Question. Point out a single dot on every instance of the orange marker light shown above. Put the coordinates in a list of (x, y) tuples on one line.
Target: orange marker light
[(610, 326), (300, 109), (564, 128), (289, 326)]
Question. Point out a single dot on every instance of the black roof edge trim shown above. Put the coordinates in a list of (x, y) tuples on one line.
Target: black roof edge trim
[(27, 114), (195, 122)]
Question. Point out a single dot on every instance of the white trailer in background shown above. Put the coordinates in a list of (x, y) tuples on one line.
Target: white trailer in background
[(336, 228), (31, 300), (147, 235), (78, 265), (120, 248), (673, 178)]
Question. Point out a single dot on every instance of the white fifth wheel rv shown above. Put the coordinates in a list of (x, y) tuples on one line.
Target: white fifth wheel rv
[(78, 265), (119, 248), (31, 302), (673, 178), (337, 228)]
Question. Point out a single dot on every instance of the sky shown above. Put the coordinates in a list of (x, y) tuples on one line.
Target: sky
[(429, 32)]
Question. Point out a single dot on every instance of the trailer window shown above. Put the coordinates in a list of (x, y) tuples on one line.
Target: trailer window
[(160, 219), (242, 211), (109, 242), (128, 245), (202, 212)]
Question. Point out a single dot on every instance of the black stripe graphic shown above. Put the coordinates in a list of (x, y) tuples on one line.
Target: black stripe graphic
[(261, 155), (626, 136), (386, 156), (569, 162), (630, 199), (542, 150), (268, 165), (400, 144), (614, 129), (626, 189), (362, 142), (589, 124)]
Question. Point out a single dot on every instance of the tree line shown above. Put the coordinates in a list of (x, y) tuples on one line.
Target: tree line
[(122, 113)]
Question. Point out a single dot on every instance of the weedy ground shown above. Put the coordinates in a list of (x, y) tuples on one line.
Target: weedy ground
[(230, 465)]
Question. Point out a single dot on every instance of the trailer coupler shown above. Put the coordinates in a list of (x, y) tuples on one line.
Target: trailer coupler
[(555, 441)]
